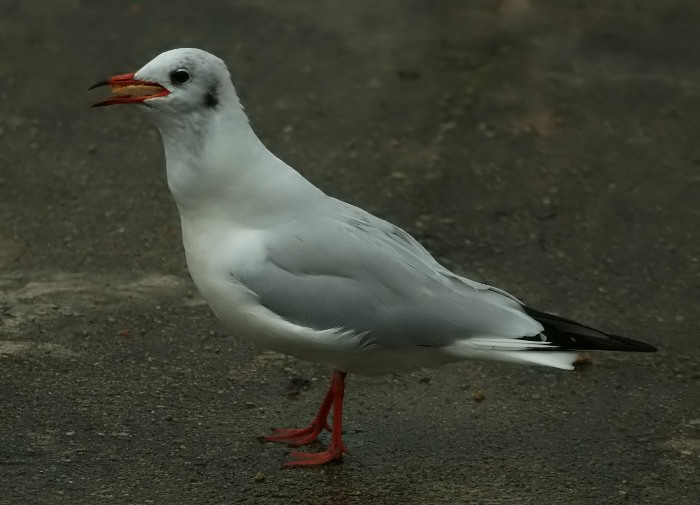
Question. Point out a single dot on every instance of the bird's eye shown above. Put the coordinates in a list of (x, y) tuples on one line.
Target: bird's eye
[(179, 76)]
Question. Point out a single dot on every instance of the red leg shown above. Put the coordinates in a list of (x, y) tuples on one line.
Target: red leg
[(304, 436), (336, 448)]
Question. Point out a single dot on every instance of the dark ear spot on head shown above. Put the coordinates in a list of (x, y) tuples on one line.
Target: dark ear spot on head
[(211, 98)]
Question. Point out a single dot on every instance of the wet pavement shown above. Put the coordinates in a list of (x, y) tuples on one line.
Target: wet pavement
[(549, 150)]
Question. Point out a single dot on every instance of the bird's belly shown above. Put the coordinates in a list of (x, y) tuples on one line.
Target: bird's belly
[(215, 259), (216, 263)]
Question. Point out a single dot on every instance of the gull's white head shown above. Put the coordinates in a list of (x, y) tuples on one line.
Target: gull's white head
[(206, 135), (174, 84)]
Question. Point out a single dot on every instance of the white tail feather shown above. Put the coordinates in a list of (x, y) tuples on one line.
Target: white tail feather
[(555, 359)]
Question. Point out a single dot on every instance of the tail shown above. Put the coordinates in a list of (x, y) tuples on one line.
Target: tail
[(568, 335), (556, 346)]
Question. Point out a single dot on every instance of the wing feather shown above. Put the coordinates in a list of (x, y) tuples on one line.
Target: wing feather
[(358, 273)]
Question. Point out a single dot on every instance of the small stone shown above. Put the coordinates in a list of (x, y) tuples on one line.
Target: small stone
[(582, 361)]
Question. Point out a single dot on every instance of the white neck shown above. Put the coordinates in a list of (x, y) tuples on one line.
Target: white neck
[(216, 164)]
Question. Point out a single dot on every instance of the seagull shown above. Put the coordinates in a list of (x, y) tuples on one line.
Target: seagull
[(299, 272)]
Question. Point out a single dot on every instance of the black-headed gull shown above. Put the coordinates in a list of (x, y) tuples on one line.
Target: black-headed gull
[(299, 272)]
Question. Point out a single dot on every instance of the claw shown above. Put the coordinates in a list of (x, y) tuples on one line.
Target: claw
[(305, 436), (316, 458)]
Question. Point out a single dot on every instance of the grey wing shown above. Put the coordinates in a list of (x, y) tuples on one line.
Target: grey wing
[(355, 272)]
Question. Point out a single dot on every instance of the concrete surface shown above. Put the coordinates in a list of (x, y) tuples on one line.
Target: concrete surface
[(549, 148)]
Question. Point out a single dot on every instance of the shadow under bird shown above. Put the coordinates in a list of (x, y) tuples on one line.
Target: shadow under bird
[(299, 272)]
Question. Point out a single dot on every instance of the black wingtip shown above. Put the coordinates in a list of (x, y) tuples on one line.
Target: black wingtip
[(569, 334), (630, 345)]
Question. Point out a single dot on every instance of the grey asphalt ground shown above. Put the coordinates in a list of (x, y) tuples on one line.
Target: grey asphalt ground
[(549, 148)]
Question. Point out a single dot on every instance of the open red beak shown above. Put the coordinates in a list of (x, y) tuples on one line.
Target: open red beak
[(127, 89)]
